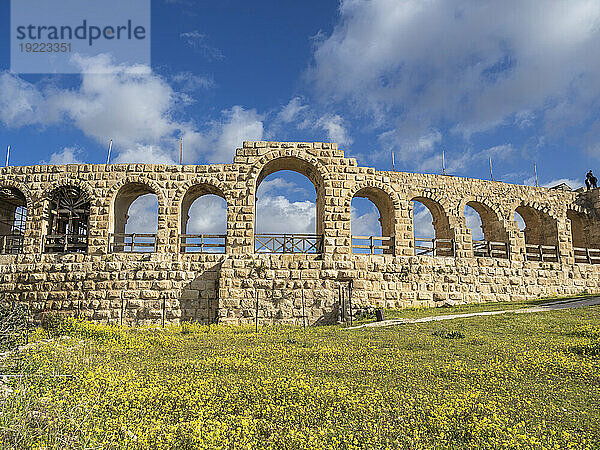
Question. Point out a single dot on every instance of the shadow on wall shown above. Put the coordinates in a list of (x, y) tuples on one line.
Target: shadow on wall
[(199, 299)]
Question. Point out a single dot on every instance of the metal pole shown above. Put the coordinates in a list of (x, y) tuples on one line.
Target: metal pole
[(443, 163), (109, 150), (181, 153), (536, 179), (303, 312), (491, 171), (256, 314), (7, 155), (393, 162)]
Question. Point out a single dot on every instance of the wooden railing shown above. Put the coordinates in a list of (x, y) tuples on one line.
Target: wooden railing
[(434, 247), (64, 243), (587, 255), (11, 244), (491, 249), (203, 243), (288, 243), (385, 244), (544, 253), (132, 243)]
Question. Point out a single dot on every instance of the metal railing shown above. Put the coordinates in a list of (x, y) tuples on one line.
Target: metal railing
[(288, 243), (64, 243), (11, 244), (385, 244), (544, 253), (203, 243), (586, 255), (491, 249), (434, 247), (132, 242)]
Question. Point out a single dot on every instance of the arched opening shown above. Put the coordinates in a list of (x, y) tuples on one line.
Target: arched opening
[(68, 219), (431, 228), (203, 220), (13, 215), (372, 222), (489, 236), (289, 208), (585, 235), (541, 234), (135, 219)]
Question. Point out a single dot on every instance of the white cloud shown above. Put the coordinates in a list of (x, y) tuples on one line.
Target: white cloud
[(236, 126), (68, 155), (415, 65), (280, 184), (147, 154), (134, 107), (188, 82), (366, 224), (333, 124), (279, 215), (291, 111), (208, 215), (473, 221), (573, 184), (422, 221), (199, 42), (126, 103), (143, 215)]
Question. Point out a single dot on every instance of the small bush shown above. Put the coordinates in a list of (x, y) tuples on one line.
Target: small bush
[(448, 334), (56, 325), (14, 325)]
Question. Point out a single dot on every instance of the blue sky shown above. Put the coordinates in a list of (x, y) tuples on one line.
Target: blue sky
[(515, 80)]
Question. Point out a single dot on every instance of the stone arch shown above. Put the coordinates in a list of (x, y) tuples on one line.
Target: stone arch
[(14, 204), (491, 218), (296, 161), (67, 217), (85, 189), (441, 225), (541, 225), (585, 228), (441, 220), (124, 193), (29, 200), (385, 200), (190, 193)]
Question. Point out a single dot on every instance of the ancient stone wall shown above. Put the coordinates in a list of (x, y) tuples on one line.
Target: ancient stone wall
[(102, 282)]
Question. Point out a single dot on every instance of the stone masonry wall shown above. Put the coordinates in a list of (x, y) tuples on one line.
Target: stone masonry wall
[(171, 286)]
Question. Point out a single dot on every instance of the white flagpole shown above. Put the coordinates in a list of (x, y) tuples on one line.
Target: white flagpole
[(535, 170), (109, 150), (7, 155), (393, 162), (181, 153), (443, 163), (491, 171)]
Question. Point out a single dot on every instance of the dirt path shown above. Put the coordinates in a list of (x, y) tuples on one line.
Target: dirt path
[(563, 304)]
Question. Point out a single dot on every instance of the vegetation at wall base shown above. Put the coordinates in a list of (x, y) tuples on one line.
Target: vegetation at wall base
[(500, 382)]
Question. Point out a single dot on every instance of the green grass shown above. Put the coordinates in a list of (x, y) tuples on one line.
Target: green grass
[(417, 313), (509, 381)]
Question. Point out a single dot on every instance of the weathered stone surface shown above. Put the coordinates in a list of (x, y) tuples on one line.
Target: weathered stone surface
[(172, 286)]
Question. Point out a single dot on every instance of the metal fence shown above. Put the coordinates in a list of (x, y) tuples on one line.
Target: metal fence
[(11, 244), (491, 249), (203, 243), (544, 253), (373, 245), (587, 255), (132, 242), (288, 243), (64, 243), (434, 247)]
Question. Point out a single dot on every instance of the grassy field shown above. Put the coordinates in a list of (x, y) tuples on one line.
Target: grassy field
[(509, 381)]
